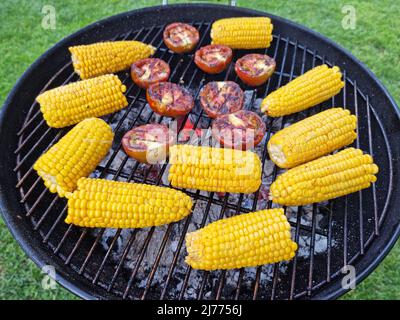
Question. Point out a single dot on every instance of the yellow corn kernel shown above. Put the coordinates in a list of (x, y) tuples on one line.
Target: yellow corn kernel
[(76, 155), (325, 178), (126, 205), (245, 240), (312, 137), (214, 169), (107, 57), (70, 104), (311, 88), (242, 33)]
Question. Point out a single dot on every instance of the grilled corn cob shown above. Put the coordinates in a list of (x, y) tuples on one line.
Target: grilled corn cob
[(325, 178), (311, 88), (242, 33), (214, 169), (246, 240), (107, 57), (76, 155), (312, 137), (114, 204), (70, 104)]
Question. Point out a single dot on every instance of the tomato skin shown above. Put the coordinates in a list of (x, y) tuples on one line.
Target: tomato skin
[(237, 125), (141, 152), (176, 46), (221, 97), (182, 101), (158, 64), (255, 79), (213, 67)]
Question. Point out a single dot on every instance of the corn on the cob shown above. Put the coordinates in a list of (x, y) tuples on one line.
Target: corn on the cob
[(312, 137), (242, 33), (246, 240), (70, 104), (326, 178), (76, 155), (114, 204), (107, 57), (214, 169), (311, 88)]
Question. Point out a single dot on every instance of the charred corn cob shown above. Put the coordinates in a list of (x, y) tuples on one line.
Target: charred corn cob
[(311, 88), (325, 178), (107, 57), (114, 204), (312, 137), (246, 240), (214, 169), (76, 155), (70, 104), (242, 33)]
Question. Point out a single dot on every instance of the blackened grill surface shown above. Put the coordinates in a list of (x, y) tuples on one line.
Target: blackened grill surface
[(149, 263)]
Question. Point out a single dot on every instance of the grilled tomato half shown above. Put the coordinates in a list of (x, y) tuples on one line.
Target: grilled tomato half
[(169, 99), (213, 58), (180, 37), (221, 97), (255, 69), (239, 130), (148, 143), (148, 71)]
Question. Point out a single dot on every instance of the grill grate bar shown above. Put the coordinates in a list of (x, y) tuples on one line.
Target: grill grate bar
[(312, 247), (294, 264), (329, 242), (49, 233), (117, 234), (122, 260), (176, 255), (36, 203), (93, 247), (346, 197), (40, 221), (64, 237), (157, 261), (77, 244), (360, 202), (26, 195), (371, 152), (140, 258), (21, 145)]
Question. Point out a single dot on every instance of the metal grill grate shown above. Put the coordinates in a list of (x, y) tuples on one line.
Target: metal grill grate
[(148, 263)]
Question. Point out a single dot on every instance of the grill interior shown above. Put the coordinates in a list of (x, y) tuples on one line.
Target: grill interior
[(149, 263)]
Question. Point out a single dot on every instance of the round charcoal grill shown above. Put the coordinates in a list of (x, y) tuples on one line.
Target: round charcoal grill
[(356, 230)]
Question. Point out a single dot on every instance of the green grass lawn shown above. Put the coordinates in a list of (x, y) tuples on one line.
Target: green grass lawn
[(374, 41)]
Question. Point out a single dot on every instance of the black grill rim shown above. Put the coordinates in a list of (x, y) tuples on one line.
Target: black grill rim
[(9, 204)]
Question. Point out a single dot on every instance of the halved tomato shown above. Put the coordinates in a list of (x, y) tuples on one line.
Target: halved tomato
[(169, 99), (239, 130), (180, 37), (148, 71), (255, 69), (148, 143), (213, 58), (221, 97)]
